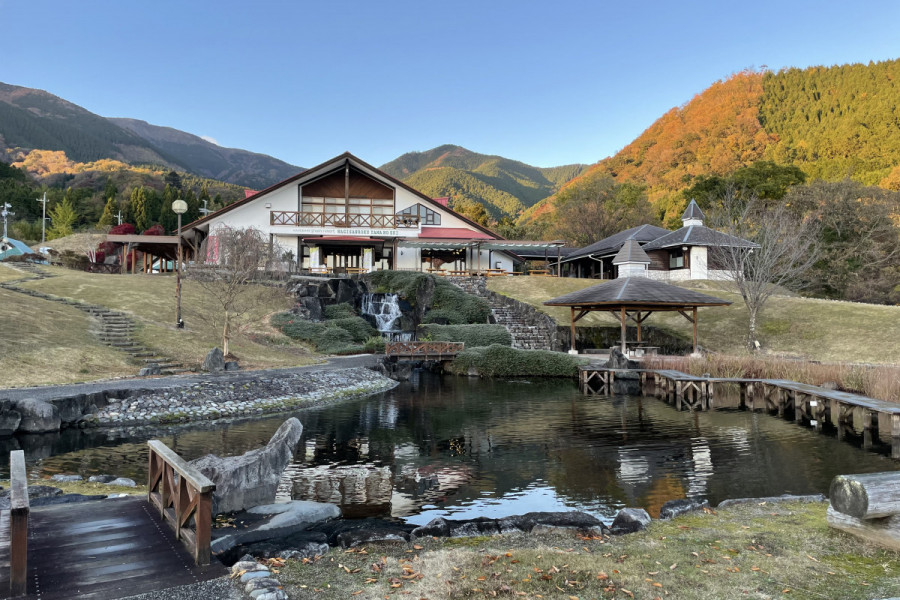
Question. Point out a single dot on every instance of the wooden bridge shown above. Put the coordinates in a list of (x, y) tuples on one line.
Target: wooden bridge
[(790, 399), (424, 350), (104, 549)]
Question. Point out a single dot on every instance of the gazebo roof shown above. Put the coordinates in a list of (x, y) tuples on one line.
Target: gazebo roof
[(636, 292)]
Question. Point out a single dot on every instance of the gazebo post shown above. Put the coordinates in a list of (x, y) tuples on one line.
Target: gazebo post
[(573, 328), (639, 321), (695, 329), (622, 318)]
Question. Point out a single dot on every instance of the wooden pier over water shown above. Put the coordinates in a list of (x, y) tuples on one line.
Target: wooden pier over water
[(803, 403)]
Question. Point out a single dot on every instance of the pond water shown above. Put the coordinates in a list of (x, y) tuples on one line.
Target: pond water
[(462, 448)]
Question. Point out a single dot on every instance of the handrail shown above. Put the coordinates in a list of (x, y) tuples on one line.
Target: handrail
[(423, 349), (179, 491), (18, 524), (294, 218)]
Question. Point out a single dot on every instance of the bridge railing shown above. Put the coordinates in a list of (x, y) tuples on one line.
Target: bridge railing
[(424, 350), (179, 492), (18, 524)]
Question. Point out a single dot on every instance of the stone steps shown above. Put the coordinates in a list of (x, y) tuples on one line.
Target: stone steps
[(116, 329)]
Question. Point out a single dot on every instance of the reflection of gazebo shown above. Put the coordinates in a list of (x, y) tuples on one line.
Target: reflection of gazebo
[(635, 298)]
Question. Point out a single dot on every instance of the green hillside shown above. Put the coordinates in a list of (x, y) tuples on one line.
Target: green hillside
[(505, 187)]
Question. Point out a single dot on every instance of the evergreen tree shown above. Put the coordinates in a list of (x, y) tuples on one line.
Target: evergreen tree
[(108, 218), (110, 190), (204, 195), (193, 211), (138, 205), (174, 179), (63, 217), (167, 217)]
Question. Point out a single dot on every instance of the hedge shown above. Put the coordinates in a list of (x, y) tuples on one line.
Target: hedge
[(503, 361), (335, 336), (473, 335)]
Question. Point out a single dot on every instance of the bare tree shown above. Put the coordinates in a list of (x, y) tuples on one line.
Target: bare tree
[(230, 259), (784, 247)]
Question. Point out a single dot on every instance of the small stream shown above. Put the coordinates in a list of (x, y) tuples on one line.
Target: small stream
[(461, 448)]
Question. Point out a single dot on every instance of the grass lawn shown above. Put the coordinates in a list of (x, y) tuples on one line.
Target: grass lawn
[(8, 273), (86, 487), (792, 326), (748, 551), (55, 346)]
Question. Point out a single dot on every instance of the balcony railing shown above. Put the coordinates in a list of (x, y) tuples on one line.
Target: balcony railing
[(303, 219)]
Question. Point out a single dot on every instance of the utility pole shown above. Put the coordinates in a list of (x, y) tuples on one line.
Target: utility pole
[(204, 211), (6, 214), (43, 218), (119, 217)]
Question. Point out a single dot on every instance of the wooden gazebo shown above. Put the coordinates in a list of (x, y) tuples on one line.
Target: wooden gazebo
[(635, 298)]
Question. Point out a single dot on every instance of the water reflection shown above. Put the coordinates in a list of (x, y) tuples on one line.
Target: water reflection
[(461, 447)]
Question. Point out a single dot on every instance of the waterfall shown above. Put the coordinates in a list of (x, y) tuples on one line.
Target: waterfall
[(385, 309)]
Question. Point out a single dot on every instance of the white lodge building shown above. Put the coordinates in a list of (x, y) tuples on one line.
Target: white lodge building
[(347, 215)]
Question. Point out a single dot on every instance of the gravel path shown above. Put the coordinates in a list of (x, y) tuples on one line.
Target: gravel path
[(214, 589), (150, 383)]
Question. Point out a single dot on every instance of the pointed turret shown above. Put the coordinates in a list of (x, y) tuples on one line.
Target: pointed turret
[(692, 214), (632, 260)]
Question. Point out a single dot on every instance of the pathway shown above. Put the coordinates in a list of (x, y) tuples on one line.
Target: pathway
[(102, 550)]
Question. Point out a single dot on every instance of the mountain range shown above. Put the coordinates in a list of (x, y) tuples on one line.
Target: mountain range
[(33, 119)]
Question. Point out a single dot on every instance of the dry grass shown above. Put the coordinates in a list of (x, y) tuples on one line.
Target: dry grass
[(791, 326), (46, 342), (43, 342), (748, 551), (86, 487), (8, 273), (79, 243), (875, 381)]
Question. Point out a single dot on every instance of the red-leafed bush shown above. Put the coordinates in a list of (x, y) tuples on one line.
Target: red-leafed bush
[(123, 229), (155, 230)]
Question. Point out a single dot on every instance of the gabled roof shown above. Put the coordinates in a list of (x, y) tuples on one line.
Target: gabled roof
[(698, 235), (636, 291), (611, 244), (327, 166), (693, 211), (631, 252)]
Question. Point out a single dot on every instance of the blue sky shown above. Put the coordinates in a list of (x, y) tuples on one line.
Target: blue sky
[(546, 83)]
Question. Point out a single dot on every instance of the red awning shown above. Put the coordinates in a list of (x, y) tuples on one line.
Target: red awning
[(455, 233), (343, 240)]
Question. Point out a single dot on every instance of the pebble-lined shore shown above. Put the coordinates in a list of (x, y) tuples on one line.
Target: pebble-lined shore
[(223, 398)]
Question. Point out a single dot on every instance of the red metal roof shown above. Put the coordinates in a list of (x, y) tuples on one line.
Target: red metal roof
[(442, 201), (248, 193), (446, 233), (344, 238)]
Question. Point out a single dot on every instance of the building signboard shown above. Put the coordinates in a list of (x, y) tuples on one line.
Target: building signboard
[(354, 231)]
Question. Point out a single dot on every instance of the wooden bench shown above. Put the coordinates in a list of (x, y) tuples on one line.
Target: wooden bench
[(18, 524), (179, 492)]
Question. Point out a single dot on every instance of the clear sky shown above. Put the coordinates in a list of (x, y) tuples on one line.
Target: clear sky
[(547, 83)]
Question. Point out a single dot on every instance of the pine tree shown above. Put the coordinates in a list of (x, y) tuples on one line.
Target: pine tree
[(108, 218), (167, 217)]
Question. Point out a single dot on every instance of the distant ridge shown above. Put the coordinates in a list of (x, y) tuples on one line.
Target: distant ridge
[(32, 119)]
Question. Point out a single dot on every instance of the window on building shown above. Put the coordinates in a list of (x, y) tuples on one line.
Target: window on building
[(425, 215), (353, 206), (676, 259)]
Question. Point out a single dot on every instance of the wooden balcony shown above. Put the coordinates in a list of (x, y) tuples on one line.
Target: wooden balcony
[(301, 219)]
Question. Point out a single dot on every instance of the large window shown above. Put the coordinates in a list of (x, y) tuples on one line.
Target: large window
[(425, 215), (676, 259), (353, 206)]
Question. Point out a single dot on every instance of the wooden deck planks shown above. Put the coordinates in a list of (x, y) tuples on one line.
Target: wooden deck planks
[(105, 549)]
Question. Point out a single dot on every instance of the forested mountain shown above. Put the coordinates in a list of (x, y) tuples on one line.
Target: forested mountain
[(831, 122), (505, 187), (33, 119)]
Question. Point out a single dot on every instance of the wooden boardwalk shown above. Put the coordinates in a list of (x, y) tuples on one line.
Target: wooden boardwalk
[(798, 401), (101, 550)]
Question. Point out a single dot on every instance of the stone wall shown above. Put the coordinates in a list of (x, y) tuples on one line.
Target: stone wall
[(313, 294)]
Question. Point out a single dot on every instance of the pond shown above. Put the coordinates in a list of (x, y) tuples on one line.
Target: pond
[(462, 448)]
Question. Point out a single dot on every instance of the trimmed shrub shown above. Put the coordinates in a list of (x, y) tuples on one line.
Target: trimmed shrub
[(339, 311), (472, 335), (503, 361), (374, 344), (459, 307), (409, 284), (358, 328)]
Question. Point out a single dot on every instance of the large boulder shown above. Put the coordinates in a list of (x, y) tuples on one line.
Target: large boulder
[(251, 479), (630, 520), (617, 360), (37, 416), (214, 361), (9, 418), (272, 521)]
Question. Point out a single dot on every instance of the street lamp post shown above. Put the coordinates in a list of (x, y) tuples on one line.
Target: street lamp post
[(179, 207), (5, 214), (43, 218)]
